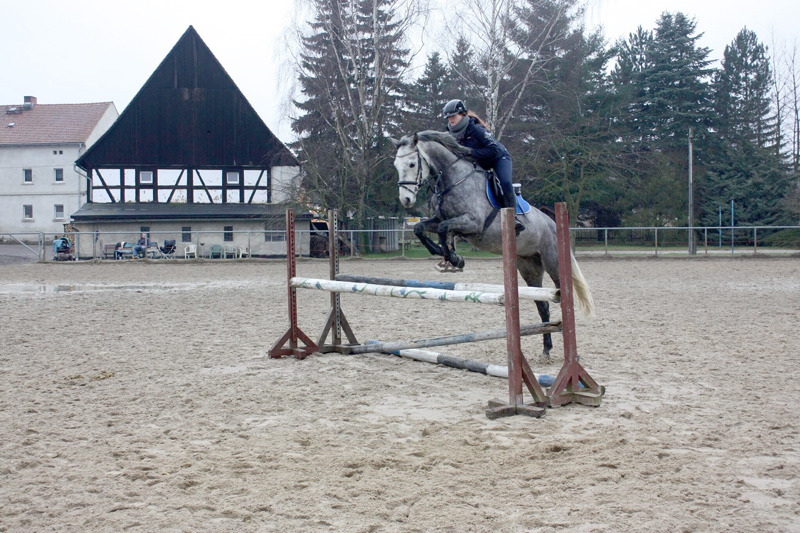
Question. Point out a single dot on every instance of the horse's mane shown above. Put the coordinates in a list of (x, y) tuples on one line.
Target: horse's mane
[(445, 139)]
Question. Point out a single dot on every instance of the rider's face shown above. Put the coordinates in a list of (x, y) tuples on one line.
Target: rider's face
[(455, 119)]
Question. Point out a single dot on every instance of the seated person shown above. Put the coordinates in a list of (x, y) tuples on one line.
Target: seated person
[(141, 245)]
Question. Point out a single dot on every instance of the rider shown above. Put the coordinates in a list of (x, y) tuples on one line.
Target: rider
[(470, 131)]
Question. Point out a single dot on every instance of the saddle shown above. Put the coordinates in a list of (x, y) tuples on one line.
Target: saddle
[(495, 191)]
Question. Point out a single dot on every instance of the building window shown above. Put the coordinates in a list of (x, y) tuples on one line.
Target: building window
[(274, 236), (27, 212), (232, 178), (228, 237), (186, 234), (59, 175), (146, 176), (27, 175), (59, 212)]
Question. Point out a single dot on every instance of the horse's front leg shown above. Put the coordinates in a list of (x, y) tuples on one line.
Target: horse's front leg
[(430, 226), (460, 225)]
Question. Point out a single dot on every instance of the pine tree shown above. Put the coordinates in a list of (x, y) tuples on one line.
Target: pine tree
[(678, 81), (350, 75), (746, 166), (662, 78), (426, 96), (742, 93)]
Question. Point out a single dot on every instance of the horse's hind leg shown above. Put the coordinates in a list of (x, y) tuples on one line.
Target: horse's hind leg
[(532, 272)]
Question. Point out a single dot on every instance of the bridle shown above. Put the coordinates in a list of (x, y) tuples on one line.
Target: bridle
[(436, 187), (404, 184)]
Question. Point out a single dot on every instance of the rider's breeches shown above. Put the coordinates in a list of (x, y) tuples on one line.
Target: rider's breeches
[(503, 169)]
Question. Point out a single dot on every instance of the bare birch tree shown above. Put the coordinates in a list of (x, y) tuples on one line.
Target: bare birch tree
[(511, 39)]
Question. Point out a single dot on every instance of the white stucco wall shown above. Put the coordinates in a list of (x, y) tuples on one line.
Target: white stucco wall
[(284, 184), (43, 193), (251, 235)]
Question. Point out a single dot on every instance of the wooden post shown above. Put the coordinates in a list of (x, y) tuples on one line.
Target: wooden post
[(567, 385), (518, 368), (336, 321), (294, 333)]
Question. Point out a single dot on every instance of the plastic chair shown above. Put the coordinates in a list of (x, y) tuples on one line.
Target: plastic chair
[(190, 250), (215, 250)]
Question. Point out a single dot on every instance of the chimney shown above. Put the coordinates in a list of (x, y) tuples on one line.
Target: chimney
[(30, 101)]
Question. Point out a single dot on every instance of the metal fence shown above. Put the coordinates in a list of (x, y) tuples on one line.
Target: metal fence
[(402, 242)]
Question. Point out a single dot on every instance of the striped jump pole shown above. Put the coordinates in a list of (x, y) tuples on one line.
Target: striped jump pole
[(542, 294), (410, 293), (533, 329), (452, 361)]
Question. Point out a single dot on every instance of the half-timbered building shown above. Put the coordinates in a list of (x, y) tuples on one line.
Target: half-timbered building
[(189, 159)]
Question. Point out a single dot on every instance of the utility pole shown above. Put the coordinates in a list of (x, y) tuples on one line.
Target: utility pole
[(692, 247)]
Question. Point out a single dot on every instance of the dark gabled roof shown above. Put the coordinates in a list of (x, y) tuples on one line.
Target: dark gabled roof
[(50, 123), (189, 114), (153, 212)]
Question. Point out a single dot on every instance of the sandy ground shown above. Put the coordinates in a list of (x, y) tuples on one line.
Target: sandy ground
[(139, 396)]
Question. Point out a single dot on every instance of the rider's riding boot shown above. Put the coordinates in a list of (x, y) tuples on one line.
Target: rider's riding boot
[(510, 200)]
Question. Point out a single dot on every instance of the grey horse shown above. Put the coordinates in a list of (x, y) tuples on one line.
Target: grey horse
[(461, 207)]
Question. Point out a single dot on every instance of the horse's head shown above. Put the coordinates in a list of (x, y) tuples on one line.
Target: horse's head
[(412, 168), (419, 156)]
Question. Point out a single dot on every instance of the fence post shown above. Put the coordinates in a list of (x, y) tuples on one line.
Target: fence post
[(755, 240), (656, 239), (605, 237)]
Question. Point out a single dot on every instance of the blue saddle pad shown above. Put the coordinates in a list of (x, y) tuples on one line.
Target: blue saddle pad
[(522, 205)]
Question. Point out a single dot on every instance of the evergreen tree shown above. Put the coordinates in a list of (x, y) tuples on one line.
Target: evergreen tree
[(662, 78), (742, 93), (746, 166), (572, 138), (350, 75), (426, 96), (678, 81)]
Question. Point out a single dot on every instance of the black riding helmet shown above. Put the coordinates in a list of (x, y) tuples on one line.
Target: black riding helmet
[(453, 107)]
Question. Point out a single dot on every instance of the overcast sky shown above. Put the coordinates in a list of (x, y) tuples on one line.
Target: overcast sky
[(75, 51)]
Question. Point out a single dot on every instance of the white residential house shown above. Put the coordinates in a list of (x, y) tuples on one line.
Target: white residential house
[(40, 186)]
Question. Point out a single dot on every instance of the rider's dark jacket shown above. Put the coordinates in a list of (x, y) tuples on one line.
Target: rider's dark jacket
[(486, 150)]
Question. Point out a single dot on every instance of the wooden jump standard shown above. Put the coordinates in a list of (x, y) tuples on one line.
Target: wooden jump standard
[(573, 383)]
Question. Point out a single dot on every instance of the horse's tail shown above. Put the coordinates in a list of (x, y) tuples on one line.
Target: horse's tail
[(581, 289)]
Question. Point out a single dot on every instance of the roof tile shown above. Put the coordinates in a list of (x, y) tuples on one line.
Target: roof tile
[(50, 123)]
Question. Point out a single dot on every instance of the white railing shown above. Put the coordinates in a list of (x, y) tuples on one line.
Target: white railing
[(618, 241)]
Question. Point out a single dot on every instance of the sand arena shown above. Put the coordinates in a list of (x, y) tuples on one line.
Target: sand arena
[(138, 396)]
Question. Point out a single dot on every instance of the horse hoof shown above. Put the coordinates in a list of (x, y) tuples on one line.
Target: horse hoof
[(445, 266)]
